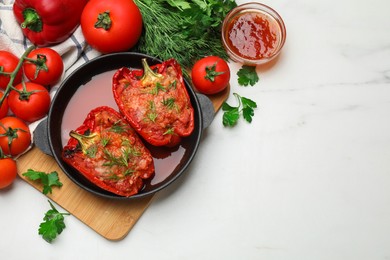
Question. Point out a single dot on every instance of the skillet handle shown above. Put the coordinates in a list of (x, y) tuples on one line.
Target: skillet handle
[(207, 109), (41, 137)]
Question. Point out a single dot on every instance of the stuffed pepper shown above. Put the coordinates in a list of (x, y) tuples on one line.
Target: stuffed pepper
[(155, 101), (109, 153)]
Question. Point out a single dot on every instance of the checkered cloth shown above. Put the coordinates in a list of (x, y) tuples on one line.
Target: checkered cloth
[(74, 51)]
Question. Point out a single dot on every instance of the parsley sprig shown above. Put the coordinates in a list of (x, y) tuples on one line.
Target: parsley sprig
[(247, 75), (47, 179), (53, 224), (231, 114)]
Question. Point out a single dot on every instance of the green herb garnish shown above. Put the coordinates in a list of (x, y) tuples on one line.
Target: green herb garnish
[(91, 151), (47, 180), (169, 131), (112, 160), (53, 224), (152, 114), (173, 84), (123, 159), (169, 102), (247, 75), (157, 88), (185, 30), (104, 141), (231, 114), (118, 127)]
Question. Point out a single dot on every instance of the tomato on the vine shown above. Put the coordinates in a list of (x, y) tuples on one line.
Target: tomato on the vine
[(15, 136), (111, 26), (43, 66), (8, 63), (4, 106), (8, 171), (210, 75), (29, 101)]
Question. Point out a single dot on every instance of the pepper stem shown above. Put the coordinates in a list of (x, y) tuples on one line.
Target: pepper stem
[(85, 141), (149, 75), (32, 20)]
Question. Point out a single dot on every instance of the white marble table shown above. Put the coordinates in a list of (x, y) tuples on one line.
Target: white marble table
[(308, 179)]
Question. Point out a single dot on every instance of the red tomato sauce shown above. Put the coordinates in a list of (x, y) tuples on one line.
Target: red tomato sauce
[(253, 35)]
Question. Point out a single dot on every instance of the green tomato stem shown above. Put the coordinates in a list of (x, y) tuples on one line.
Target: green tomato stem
[(104, 21), (14, 73), (2, 155), (24, 94), (4, 73)]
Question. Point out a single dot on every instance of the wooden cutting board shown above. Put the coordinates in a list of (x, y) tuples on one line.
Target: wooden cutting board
[(113, 219)]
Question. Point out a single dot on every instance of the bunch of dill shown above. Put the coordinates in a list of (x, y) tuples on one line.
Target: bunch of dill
[(186, 30)]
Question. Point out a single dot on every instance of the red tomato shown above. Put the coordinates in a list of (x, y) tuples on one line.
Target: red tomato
[(8, 63), (111, 26), (8, 171), (15, 136), (30, 103), (47, 69), (210, 75), (4, 106)]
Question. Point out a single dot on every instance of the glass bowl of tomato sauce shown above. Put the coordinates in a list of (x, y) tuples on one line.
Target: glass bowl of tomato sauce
[(253, 34)]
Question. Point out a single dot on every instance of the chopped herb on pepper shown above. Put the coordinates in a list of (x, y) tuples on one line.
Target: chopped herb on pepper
[(169, 102), (152, 115), (118, 127), (157, 88), (170, 131), (105, 141)]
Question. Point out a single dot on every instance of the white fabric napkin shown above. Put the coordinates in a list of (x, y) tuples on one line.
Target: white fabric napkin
[(74, 51)]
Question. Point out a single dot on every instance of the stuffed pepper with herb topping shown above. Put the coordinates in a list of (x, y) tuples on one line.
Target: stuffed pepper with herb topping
[(108, 152), (155, 101)]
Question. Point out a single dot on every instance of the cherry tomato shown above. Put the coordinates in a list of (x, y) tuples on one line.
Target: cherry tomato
[(4, 106), (8, 171), (111, 26), (210, 75), (46, 69), (29, 102), (8, 63), (15, 136)]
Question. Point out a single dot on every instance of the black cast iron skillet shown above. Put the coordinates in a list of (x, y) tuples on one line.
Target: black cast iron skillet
[(47, 135)]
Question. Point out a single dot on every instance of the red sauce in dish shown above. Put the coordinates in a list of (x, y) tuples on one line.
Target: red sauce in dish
[(253, 35)]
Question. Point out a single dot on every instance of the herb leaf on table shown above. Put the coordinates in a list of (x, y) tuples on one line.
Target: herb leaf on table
[(231, 114), (47, 179), (247, 75), (53, 224)]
